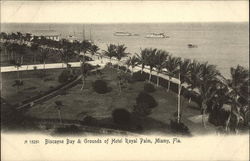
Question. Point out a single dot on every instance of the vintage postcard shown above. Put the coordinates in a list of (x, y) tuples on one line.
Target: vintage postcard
[(124, 80)]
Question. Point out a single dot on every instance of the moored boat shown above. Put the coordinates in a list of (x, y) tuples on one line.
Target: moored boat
[(156, 35), (192, 46), (122, 34)]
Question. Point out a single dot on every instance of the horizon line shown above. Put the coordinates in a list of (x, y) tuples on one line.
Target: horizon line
[(127, 22)]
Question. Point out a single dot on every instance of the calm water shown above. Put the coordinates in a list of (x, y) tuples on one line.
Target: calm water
[(222, 44)]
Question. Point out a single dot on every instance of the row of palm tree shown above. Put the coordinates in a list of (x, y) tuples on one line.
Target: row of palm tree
[(117, 51), (201, 77), (63, 48), (16, 36)]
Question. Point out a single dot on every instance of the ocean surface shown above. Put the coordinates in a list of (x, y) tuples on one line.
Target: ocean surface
[(221, 44)]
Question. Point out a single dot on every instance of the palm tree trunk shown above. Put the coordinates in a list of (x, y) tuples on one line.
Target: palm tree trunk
[(60, 117), (142, 70), (21, 60), (18, 78), (83, 82), (44, 68), (120, 88), (157, 79), (150, 75), (190, 99), (227, 122), (169, 83), (34, 57), (203, 108), (132, 71)]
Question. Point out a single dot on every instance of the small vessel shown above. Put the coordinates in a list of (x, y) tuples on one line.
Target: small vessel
[(156, 35), (192, 46), (123, 34)]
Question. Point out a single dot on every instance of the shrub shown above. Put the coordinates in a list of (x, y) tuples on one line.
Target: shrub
[(121, 116), (179, 127), (138, 76), (115, 66), (64, 76), (108, 64), (123, 68), (148, 87), (18, 83), (144, 104), (218, 117), (100, 86), (88, 120)]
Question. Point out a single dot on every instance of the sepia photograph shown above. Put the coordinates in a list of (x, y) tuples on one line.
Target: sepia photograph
[(85, 76)]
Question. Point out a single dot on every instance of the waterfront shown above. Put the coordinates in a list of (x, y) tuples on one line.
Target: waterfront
[(222, 44)]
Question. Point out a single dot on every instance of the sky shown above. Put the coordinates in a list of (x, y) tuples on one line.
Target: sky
[(123, 11)]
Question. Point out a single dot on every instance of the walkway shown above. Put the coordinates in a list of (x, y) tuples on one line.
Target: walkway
[(100, 62)]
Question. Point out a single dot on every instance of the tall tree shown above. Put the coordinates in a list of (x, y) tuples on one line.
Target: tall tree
[(142, 57), (59, 106), (207, 85), (85, 68), (94, 49), (151, 61), (111, 51), (160, 59), (185, 73), (120, 52), (44, 53), (238, 88), (172, 65), (132, 61), (34, 49)]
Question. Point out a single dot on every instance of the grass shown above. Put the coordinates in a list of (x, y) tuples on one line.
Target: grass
[(34, 83), (78, 104)]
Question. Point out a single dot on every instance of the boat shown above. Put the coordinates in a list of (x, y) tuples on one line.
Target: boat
[(156, 35), (192, 46), (123, 34)]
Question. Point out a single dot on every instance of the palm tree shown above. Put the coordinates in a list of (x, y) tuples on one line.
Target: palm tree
[(94, 49), (34, 49), (172, 66), (142, 57), (43, 57), (3, 36), (128, 63), (150, 61), (194, 69), (8, 50), (160, 59), (111, 51), (85, 46), (185, 73), (120, 52), (238, 85), (85, 68), (27, 37), (58, 107), (66, 55), (207, 85), (134, 63), (17, 64)]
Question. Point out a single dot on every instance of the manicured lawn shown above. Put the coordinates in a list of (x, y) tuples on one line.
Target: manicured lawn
[(78, 104), (33, 83)]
